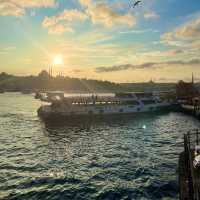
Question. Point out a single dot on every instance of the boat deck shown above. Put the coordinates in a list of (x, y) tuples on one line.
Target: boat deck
[(189, 176), (196, 177)]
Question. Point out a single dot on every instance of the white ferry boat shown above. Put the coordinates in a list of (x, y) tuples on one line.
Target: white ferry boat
[(120, 103)]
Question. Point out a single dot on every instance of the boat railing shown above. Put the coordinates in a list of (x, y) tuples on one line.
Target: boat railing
[(97, 99), (191, 142), (193, 138)]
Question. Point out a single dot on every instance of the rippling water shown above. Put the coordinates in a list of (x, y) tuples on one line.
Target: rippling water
[(121, 158)]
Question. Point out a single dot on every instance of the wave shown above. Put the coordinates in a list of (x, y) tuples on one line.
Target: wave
[(87, 191)]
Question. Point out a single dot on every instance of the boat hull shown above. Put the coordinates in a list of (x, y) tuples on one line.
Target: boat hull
[(51, 115), (191, 109)]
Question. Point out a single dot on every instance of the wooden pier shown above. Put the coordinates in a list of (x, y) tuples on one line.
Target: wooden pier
[(189, 176)]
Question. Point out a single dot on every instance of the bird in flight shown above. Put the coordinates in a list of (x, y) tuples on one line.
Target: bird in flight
[(136, 3)]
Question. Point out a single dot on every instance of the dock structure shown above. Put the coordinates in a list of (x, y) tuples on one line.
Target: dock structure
[(189, 175), (191, 109)]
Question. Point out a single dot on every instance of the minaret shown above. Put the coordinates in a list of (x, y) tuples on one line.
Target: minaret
[(49, 71), (192, 78)]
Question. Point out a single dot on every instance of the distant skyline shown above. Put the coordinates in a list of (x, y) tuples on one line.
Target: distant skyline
[(102, 39)]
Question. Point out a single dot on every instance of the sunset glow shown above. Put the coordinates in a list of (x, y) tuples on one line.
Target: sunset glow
[(108, 40), (57, 60)]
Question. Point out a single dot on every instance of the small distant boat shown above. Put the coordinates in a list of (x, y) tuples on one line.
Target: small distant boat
[(121, 103), (192, 107)]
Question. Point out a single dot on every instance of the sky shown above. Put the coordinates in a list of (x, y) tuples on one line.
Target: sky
[(102, 39)]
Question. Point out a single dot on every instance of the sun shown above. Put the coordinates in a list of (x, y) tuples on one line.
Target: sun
[(57, 60)]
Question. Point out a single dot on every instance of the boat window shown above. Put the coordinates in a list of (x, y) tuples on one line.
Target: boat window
[(144, 95), (123, 95), (147, 102), (132, 102), (101, 111)]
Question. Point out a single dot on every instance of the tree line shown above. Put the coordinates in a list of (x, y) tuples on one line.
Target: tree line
[(43, 82)]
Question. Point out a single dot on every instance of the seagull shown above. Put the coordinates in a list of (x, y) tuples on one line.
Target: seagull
[(136, 3)]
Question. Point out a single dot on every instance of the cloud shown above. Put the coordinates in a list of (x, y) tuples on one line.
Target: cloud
[(167, 36), (147, 65), (95, 37), (59, 29), (139, 31), (99, 13), (34, 3), (48, 22), (189, 31), (72, 15), (185, 35), (196, 45), (151, 15), (10, 9), (6, 50), (102, 14), (86, 3), (63, 22), (18, 8), (124, 67), (10, 48), (174, 52)]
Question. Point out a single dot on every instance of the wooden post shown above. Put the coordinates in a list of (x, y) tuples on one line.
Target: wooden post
[(188, 138)]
